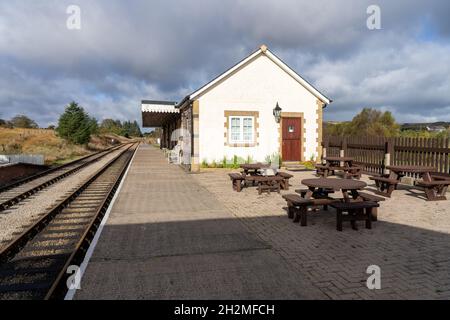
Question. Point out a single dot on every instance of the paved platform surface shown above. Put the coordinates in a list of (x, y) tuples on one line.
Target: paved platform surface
[(169, 237), (410, 242)]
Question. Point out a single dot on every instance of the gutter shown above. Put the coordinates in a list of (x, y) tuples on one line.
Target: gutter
[(182, 103)]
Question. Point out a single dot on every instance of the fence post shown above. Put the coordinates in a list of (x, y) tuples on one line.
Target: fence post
[(387, 156), (343, 150), (324, 150)]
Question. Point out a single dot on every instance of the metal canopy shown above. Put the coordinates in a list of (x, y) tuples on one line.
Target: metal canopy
[(158, 113)]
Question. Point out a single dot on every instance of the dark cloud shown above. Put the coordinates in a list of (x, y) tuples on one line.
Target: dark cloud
[(132, 50)]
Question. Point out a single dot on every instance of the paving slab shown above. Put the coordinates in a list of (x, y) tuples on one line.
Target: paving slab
[(252, 274), (169, 237), (410, 242)]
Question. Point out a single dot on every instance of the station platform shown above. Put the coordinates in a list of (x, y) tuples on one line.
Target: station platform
[(167, 237)]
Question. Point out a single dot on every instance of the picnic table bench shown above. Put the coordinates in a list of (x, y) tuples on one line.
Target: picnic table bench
[(355, 211), (336, 161), (322, 170), (285, 182), (371, 197), (316, 193), (344, 164), (354, 171), (439, 176), (434, 183), (266, 183), (236, 181), (435, 189), (385, 185), (298, 206)]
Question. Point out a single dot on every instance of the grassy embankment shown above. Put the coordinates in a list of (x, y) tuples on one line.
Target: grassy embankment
[(47, 143)]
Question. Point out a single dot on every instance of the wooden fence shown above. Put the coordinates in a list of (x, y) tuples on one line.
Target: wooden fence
[(374, 153)]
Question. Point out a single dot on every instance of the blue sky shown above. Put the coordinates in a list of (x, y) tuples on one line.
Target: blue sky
[(127, 51)]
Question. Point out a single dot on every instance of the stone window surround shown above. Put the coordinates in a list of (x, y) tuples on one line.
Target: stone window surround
[(237, 113)]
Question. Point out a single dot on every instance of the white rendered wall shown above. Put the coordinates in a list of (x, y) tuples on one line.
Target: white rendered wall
[(256, 87)]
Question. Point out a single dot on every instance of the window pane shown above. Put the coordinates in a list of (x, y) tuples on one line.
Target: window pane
[(235, 129), (248, 129)]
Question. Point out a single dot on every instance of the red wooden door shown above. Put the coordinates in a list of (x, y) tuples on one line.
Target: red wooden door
[(291, 139)]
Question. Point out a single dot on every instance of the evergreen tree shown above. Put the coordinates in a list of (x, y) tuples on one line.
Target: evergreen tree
[(75, 125), (93, 126), (136, 129), (126, 128)]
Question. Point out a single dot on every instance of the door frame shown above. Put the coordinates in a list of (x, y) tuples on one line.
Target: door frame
[(302, 133)]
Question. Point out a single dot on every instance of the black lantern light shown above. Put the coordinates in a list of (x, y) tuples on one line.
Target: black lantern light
[(277, 113)]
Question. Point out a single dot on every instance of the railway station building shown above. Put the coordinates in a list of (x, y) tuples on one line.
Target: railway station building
[(258, 108)]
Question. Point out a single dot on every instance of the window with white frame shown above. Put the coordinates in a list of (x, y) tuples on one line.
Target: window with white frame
[(242, 129)]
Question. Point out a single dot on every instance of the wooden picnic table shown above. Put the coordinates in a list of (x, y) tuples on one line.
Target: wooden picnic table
[(252, 168), (339, 163), (344, 185), (397, 172), (358, 206), (435, 185), (265, 182), (336, 161)]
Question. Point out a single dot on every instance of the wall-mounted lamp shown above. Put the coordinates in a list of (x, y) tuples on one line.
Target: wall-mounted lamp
[(277, 113)]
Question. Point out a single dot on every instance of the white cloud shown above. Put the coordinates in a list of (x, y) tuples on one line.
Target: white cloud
[(128, 51), (412, 78)]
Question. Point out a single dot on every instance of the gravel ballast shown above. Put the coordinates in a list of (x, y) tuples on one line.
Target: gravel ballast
[(16, 218)]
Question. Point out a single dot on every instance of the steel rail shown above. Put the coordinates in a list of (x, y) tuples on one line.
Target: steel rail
[(13, 247), (59, 287), (48, 171), (27, 193)]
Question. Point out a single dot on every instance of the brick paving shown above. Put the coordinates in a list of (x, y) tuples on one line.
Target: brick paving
[(168, 237), (173, 235), (410, 242)]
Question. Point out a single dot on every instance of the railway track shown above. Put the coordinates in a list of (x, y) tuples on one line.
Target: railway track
[(20, 190), (34, 264)]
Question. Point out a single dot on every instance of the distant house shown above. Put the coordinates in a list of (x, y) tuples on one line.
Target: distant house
[(258, 108), (436, 128), (431, 127)]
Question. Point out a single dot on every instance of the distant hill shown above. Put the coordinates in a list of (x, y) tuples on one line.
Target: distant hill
[(335, 122), (47, 143), (406, 126), (424, 125)]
